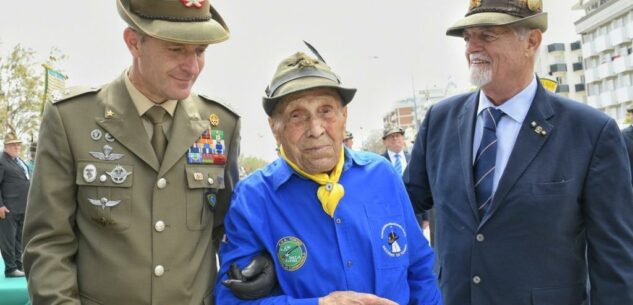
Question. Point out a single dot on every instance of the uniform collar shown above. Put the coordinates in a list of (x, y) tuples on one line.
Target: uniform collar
[(142, 103), (281, 171)]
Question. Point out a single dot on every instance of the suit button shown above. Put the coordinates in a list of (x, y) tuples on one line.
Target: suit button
[(480, 237), (159, 226), (159, 270), (162, 183), (476, 279)]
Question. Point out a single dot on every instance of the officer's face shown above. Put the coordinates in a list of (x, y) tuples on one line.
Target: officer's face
[(163, 70), (310, 126)]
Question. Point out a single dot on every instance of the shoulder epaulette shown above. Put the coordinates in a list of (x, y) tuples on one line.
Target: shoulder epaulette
[(225, 105), (72, 92)]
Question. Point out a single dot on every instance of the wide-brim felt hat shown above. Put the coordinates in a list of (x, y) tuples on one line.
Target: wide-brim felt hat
[(484, 13), (11, 138), (301, 72), (178, 21)]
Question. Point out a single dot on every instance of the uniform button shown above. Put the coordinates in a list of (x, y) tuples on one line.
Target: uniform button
[(480, 237), (103, 178), (162, 183), (159, 270), (349, 264), (476, 279), (338, 220), (210, 180), (159, 226)]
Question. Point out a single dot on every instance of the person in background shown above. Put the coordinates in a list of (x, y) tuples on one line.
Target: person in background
[(333, 239), (133, 178), (348, 140), (14, 188), (529, 190)]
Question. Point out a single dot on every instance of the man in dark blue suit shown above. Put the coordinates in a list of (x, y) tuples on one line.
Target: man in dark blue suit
[(14, 188), (628, 134), (528, 188)]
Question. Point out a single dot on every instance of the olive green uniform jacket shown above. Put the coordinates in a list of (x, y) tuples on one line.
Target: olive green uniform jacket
[(144, 240)]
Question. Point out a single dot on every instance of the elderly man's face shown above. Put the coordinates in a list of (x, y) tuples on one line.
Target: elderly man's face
[(12, 149), (394, 142), (497, 55), (310, 126)]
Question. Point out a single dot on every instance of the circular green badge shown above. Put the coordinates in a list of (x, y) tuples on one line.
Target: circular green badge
[(291, 252)]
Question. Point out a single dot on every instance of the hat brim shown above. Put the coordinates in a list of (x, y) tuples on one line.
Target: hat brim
[(211, 31), (303, 84), (12, 142), (537, 21), (395, 131)]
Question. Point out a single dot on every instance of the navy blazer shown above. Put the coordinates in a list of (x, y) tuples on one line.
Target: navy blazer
[(562, 194), (14, 185), (628, 139)]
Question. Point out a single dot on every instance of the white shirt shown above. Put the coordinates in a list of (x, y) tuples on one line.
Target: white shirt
[(515, 110)]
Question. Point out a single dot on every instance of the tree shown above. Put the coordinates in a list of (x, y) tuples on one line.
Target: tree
[(373, 142), (22, 90), (250, 164)]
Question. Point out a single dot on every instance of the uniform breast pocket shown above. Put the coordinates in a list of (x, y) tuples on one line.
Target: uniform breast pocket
[(388, 238), (203, 184), (105, 194)]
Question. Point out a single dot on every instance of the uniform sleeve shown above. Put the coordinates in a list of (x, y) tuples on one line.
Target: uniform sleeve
[(49, 235), (415, 176), (231, 177), (422, 282), (608, 204), (239, 246)]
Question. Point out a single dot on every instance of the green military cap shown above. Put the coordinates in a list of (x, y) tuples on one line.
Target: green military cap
[(528, 13), (179, 21), (301, 72), (391, 130)]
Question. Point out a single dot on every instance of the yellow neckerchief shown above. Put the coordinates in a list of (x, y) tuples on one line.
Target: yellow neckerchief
[(330, 191)]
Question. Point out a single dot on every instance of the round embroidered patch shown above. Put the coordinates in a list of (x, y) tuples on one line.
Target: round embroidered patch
[(291, 252), (391, 235)]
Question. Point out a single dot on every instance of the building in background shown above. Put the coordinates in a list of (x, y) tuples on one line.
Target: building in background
[(564, 62), (607, 47)]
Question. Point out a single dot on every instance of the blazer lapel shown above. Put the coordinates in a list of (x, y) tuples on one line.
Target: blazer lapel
[(526, 147), (187, 127), (465, 128), (122, 121)]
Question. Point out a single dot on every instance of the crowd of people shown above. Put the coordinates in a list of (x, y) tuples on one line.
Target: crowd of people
[(136, 184)]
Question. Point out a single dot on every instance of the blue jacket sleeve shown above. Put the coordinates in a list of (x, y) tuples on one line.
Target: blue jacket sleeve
[(240, 244), (415, 176)]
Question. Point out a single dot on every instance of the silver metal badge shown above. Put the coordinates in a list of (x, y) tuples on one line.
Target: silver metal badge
[(118, 174), (198, 176), (96, 134), (107, 154), (104, 202), (108, 137), (103, 178), (90, 173)]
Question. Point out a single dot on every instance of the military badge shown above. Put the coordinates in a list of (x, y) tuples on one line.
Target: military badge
[(109, 114), (198, 176), (291, 253), (118, 174), (96, 134), (107, 154), (208, 149), (90, 173), (474, 4), (104, 202), (108, 137), (393, 243), (193, 3), (535, 5), (214, 119), (211, 199)]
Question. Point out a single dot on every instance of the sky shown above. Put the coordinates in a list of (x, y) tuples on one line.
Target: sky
[(384, 48)]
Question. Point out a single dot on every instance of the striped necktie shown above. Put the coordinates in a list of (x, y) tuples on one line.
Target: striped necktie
[(397, 164), (484, 167)]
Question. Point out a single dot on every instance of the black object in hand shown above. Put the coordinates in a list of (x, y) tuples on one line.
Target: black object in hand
[(255, 281)]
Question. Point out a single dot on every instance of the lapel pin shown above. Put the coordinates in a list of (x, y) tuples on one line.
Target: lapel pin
[(214, 119), (538, 129), (109, 114)]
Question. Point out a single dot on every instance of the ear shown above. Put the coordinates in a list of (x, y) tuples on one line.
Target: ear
[(133, 41), (534, 41), (273, 129)]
